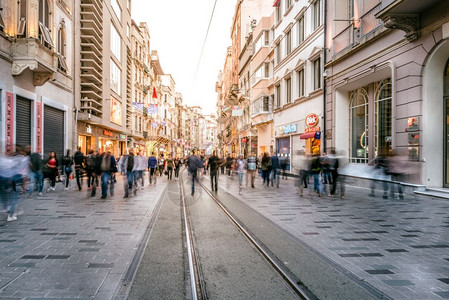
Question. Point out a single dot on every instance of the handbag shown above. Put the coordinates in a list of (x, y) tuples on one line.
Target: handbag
[(166, 172), (68, 169)]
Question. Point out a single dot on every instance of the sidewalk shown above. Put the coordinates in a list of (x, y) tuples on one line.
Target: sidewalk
[(400, 247), (70, 245)]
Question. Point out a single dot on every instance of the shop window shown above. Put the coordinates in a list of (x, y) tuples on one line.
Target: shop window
[(382, 118), (358, 114)]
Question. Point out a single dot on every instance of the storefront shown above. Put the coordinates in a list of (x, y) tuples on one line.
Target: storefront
[(284, 142), (92, 137), (311, 135)]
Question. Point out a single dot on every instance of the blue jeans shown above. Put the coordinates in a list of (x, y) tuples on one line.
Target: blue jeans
[(194, 177), (317, 183), (130, 176), (105, 178), (275, 177), (39, 180), (9, 192)]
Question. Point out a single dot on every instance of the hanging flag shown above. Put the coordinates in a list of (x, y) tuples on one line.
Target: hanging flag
[(276, 3), (154, 92)]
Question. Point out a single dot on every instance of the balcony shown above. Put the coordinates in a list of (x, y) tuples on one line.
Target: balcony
[(31, 53)]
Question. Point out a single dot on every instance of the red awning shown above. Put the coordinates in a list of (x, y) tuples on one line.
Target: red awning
[(307, 135), (276, 3)]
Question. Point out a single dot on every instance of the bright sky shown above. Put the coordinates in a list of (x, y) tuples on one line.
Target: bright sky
[(177, 31)]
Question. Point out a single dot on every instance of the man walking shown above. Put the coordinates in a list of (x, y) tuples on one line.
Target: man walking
[(213, 164), (275, 169), (108, 167), (127, 166), (152, 166), (141, 165), (79, 161), (37, 167), (252, 166), (193, 164)]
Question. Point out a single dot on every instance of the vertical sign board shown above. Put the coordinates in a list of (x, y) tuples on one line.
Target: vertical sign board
[(38, 127), (9, 122)]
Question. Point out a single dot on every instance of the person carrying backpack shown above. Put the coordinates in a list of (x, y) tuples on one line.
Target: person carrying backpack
[(67, 163), (152, 166), (79, 164), (108, 167), (89, 167), (193, 163)]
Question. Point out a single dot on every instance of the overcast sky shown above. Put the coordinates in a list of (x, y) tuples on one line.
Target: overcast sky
[(177, 31)]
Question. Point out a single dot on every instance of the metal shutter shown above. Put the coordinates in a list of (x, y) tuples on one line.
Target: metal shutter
[(23, 121), (53, 131)]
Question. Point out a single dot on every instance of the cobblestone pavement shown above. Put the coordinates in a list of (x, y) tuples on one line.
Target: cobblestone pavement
[(400, 247), (70, 245)]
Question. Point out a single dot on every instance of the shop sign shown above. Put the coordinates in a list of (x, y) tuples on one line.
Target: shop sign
[(311, 120), (122, 136), (237, 111), (107, 133), (287, 129), (9, 122), (88, 129), (312, 129), (412, 124), (38, 127)]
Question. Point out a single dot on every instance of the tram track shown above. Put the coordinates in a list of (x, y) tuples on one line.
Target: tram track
[(288, 278)]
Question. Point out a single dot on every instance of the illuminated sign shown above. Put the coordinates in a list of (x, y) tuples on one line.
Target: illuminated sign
[(311, 120), (107, 133), (288, 129)]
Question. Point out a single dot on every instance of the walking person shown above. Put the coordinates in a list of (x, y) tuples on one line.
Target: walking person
[(252, 166), (193, 163), (152, 166), (161, 164), (333, 166), (229, 162), (222, 166), (89, 167), (96, 172), (141, 165), (213, 164), (37, 169), (67, 163), (240, 167), (266, 168), (177, 163), (315, 171), (79, 163), (275, 166), (52, 165), (170, 166), (283, 165), (127, 167), (108, 167)]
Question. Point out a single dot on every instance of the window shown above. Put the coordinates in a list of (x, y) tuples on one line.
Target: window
[(382, 118), (301, 30), (288, 3), (300, 75), (264, 40), (262, 72), (288, 89), (317, 73), (116, 75), (44, 13), (278, 53), (279, 11), (316, 14), (278, 96), (22, 13), (117, 10), (266, 103), (358, 114), (288, 42), (62, 64), (128, 5), (116, 43)]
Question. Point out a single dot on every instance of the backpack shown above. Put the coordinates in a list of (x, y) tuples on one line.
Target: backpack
[(67, 160), (89, 162)]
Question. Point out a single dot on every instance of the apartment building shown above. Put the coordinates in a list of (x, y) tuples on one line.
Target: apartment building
[(387, 84), (298, 84), (36, 50), (103, 64)]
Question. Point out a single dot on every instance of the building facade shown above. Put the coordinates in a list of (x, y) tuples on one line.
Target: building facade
[(298, 86), (36, 59), (387, 84)]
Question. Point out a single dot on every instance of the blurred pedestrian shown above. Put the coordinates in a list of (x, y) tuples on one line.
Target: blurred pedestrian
[(193, 163), (275, 166), (214, 163), (161, 164), (332, 166), (240, 169), (141, 165), (127, 167), (67, 163), (37, 169), (170, 166), (89, 162), (396, 166), (177, 163), (108, 167), (266, 168), (251, 166), (79, 166), (284, 162), (315, 171), (302, 166), (229, 162), (152, 166), (96, 172)]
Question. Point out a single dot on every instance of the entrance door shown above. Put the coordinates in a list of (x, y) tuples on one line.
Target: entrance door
[(23, 122), (53, 131), (446, 150)]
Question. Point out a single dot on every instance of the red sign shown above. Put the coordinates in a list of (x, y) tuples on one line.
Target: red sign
[(312, 129), (107, 133), (38, 127), (9, 122), (311, 120)]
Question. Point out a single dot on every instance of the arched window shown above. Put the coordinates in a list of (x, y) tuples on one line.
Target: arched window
[(358, 118), (383, 110)]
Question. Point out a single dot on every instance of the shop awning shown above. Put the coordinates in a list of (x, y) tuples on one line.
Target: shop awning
[(307, 135)]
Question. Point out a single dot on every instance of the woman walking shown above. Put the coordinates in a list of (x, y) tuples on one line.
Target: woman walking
[(240, 167), (169, 167), (266, 168), (177, 167), (52, 165), (67, 163)]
